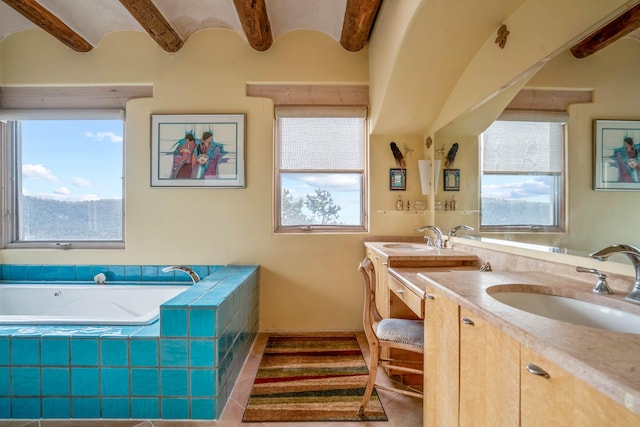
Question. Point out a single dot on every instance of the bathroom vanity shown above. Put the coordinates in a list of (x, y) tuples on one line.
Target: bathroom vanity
[(409, 254), (488, 363)]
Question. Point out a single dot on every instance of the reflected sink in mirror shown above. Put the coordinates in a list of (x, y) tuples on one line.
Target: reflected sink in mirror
[(566, 309), (407, 246)]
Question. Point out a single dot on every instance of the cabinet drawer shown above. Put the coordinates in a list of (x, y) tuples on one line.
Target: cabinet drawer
[(414, 301)]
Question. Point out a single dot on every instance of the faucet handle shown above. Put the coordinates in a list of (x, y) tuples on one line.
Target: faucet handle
[(601, 286)]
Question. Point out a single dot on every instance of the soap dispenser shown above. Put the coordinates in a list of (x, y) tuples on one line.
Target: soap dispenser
[(399, 204)]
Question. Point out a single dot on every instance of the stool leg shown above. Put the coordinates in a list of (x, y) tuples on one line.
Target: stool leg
[(374, 358)]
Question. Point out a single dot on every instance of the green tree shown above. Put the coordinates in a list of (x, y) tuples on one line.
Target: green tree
[(291, 212), (322, 207)]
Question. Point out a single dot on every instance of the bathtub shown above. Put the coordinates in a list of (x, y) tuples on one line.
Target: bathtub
[(66, 304)]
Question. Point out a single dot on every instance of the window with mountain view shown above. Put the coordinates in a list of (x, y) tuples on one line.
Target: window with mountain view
[(320, 169), (522, 182), (67, 180)]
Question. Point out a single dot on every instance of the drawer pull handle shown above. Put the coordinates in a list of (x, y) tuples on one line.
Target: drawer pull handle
[(385, 263), (467, 321), (429, 296), (400, 291), (537, 370)]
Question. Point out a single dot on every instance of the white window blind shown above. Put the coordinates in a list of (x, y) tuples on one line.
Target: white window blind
[(523, 147), (320, 138)]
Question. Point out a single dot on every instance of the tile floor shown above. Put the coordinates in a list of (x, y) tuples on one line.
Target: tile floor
[(402, 411)]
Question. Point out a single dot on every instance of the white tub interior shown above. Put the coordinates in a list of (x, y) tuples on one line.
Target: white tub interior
[(83, 304)]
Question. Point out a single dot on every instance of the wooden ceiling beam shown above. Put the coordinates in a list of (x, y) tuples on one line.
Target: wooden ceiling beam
[(359, 17), (255, 23), (34, 12), (549, 99), (154, 23), (614, 30)]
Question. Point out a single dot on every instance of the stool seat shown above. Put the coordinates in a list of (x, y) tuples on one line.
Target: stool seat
[(401, 331)]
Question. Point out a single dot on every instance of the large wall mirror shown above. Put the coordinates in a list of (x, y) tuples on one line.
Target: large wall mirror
[(595, 218)]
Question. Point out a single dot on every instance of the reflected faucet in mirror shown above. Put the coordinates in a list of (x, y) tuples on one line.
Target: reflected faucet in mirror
[(634, 255), (455, 229), (194, 276), (438, 242)]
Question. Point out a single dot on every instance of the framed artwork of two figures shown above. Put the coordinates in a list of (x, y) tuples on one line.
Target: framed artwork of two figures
[(201, 150)]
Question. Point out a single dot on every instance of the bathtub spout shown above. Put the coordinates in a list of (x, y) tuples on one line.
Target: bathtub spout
[(194, 276)]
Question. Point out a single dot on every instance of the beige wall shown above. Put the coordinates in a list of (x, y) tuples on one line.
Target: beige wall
[(308, 281)]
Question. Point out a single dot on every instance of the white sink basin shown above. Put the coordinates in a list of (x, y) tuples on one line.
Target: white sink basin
[(407, 246), (571, 310)]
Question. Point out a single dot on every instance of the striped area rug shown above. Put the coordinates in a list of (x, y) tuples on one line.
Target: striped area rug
[(319, 378)]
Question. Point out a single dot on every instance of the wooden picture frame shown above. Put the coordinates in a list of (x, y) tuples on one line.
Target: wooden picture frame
[(616, 159), (398, 179), (451, 180), (198, 150)]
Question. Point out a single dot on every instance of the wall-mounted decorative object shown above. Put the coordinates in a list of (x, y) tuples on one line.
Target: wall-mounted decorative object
[(451, 155), (452, 180), (397, 154), (616, 160), (398, 179), (503, 33), (200, 150)]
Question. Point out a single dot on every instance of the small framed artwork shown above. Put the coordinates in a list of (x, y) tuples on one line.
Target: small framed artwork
[(616, 161), (452, 180), (198, 150), (397, 179)]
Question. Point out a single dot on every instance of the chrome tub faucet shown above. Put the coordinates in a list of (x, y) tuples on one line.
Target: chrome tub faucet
[(194, 276), (438, 242), (634, 255)]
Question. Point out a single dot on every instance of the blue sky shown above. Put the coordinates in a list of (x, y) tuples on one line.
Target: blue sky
[(72, 159)]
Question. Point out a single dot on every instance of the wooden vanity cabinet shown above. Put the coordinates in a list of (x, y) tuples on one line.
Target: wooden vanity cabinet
[(476, 375), (560, 399), (441, 364), (489, 374)]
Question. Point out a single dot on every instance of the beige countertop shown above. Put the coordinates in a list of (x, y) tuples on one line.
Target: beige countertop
[(608, 361), (423, 253)]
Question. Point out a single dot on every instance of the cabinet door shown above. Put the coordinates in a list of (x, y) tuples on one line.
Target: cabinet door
[(560, 399), (489, 374), (441, 342)]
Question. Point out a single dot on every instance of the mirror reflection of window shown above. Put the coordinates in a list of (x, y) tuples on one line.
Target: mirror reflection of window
[(522, 175)]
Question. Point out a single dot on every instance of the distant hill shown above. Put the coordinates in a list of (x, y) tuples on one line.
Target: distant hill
[(514, 212), (46, 219)]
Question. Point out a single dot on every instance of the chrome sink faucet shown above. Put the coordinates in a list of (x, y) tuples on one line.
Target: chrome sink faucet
[(438, 242), (634, 255), (194, 276), (455, 229), (601, 286)]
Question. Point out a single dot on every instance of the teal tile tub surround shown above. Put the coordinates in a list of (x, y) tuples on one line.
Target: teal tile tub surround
[(182, 366)]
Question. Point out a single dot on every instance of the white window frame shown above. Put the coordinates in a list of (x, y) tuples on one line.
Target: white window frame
[(10, 180), (559, 181), (321, 111)]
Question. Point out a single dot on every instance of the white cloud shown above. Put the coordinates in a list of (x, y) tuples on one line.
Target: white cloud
[(64, 191), (63, 194), (100, 136), (81, 182), (38, 172)]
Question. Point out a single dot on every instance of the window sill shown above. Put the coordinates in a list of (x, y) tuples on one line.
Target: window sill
[(65, 245)]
